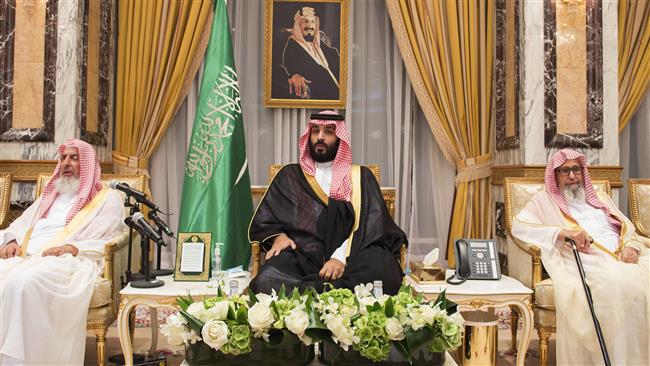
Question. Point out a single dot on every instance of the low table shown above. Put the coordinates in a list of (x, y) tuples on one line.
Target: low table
[(480, 294), (164, 296)]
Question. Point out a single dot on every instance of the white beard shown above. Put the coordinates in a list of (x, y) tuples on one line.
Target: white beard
[(574, 196), (65, 185)]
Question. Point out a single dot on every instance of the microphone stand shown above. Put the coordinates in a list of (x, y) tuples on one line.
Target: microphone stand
[(133, 208), (148, 281), (157, 271), (590, 301)]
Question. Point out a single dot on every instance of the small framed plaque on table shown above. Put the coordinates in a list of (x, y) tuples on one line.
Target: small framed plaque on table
[(193, 257)]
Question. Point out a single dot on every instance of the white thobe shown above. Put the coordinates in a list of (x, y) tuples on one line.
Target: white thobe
[(620, 291), (324, 178), (594, 222), (44, 300)]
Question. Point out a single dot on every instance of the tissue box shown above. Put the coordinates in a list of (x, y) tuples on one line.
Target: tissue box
[(427, 274)]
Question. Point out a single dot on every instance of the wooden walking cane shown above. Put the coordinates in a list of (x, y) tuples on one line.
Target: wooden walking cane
[(590, 301)]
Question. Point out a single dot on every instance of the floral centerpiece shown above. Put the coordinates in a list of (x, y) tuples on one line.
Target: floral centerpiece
[(359, 321)]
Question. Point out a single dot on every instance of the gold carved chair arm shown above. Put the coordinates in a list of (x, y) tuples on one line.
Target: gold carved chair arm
[(256, 249), (116, 261), (524, 262)]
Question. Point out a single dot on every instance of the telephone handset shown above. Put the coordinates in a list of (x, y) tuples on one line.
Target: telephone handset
[(476, 259)]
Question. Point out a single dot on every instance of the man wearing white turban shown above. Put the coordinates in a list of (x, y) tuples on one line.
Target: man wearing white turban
[(49, 259), (614, 257)]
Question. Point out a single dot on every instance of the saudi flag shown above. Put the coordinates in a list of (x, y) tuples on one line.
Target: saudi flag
[(216, 189)]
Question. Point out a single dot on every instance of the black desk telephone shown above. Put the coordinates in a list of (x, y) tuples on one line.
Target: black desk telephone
[(476, 259)]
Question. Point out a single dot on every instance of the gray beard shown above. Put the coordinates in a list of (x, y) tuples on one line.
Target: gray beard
[(574, 196), (65, 185)]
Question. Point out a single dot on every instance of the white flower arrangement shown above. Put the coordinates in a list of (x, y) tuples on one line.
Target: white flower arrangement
[(352, 320)]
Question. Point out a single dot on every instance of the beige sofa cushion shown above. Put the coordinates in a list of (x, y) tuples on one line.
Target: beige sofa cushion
[(545, 295), (101, 294)]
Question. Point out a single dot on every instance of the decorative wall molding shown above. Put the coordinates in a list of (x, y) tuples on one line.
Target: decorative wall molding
[(608, 172), (28, 170)]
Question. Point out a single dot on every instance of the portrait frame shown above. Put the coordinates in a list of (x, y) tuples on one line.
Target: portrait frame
[(204, 275), (333, 34)]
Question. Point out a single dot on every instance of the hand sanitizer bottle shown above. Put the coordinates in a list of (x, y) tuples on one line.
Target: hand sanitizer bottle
[(377, 289), (216, 262), (234, 287)]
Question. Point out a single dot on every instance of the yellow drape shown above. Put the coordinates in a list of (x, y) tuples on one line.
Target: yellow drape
[(448, 47), (160, 48), (633, 57)]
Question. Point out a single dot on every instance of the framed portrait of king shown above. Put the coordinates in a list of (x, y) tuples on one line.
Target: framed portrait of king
[(305, 53)]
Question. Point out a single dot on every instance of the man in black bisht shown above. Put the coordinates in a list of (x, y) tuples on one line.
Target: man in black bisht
[(344, 237)]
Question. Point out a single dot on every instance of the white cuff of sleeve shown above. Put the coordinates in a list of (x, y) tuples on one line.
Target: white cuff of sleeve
[(633, 246), (339, 253), (7, 237)]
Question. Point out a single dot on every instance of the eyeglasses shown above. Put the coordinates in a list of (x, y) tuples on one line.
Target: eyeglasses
[(566, 170)]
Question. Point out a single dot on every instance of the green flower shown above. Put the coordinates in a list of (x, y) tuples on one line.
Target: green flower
[(449, 328), (240, 332), (437, 345), (373, 340)]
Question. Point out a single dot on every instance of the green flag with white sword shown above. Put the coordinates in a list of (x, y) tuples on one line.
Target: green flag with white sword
[(216, 189)]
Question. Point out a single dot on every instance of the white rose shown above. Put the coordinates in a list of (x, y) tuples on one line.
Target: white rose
[(365, 301), (197, 310), (341, 332), (348, 311), (219, 311), (297, 321), (215, 333), (417, 320), (428, 314), (264, 298), (174, 329), (394, 329), (260, 317)]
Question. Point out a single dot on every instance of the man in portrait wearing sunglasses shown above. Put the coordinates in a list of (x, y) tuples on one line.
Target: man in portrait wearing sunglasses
[(614, 257)]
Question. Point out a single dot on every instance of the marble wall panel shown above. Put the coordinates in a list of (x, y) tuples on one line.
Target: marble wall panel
[(507, 85), (35, 112), (610, 153), (563, 137), (532, 61), (95, 71)]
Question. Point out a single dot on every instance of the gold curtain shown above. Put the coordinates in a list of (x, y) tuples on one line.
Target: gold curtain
[(633, 57), (448, 47), (160, 48)]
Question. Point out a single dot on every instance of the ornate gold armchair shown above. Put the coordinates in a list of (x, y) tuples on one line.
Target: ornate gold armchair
[(639, 198), (389, 199), (5, 192), (525, 260), (105, 300)]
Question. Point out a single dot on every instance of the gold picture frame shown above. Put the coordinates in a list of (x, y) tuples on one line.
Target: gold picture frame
[(325, 74), (204, 275)]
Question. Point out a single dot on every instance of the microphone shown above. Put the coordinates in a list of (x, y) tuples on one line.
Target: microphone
[(138, 222), (160, 223), (139, 196)]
